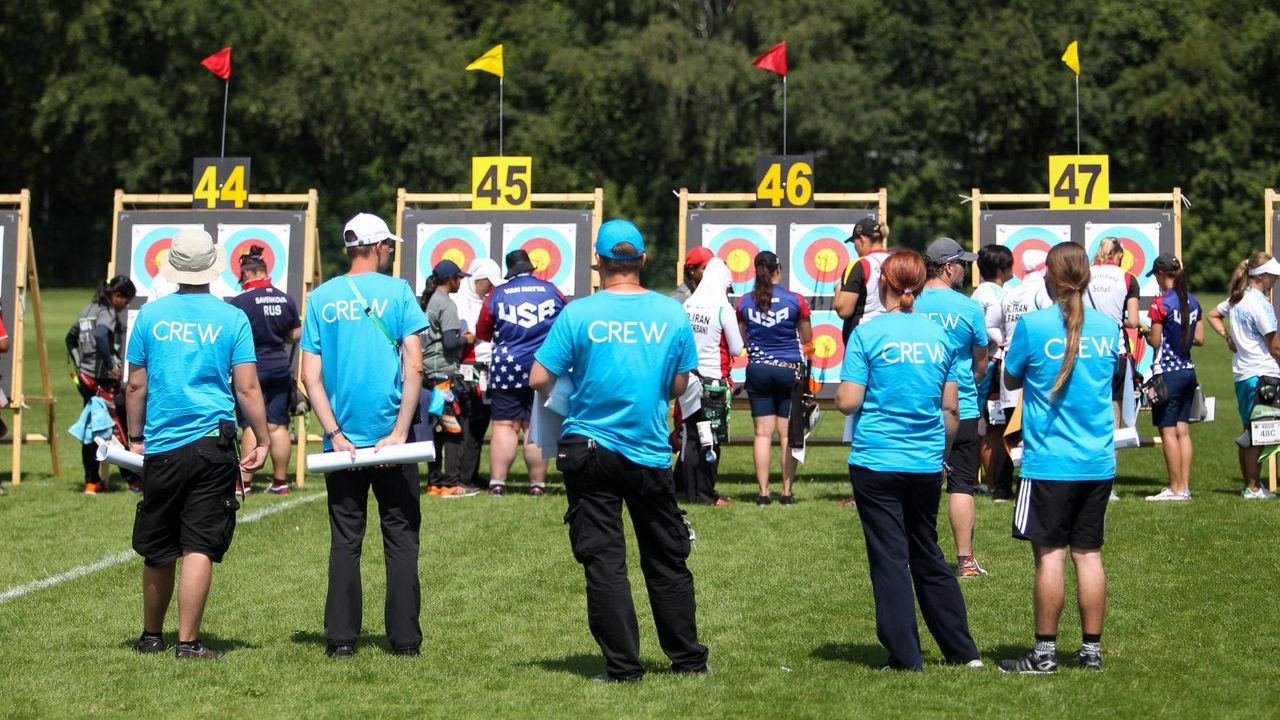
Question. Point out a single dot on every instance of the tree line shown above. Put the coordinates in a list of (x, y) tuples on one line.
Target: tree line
[(928, 98)]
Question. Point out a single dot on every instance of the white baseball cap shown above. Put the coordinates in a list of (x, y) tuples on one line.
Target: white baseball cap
[(1034, 259), (369, 229), (1270, 267)]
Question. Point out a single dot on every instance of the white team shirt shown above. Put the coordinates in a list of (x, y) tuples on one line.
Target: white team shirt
[(1030, 295), (1252, 319), (1109, 287), (989, 295)]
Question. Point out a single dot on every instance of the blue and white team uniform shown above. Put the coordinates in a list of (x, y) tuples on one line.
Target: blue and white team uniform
[(1173, 357), (775, 362), (517, 317)]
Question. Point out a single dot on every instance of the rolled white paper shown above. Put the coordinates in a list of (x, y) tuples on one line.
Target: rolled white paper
[(415, 452), (118, 456)]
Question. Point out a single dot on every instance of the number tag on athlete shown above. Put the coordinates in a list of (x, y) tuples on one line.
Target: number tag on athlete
[(784, 181), (501, 183), (220, 183), (1079, 182)]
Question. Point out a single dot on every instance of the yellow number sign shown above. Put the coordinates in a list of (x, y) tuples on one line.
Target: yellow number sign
[(1079, 182), (784, 181), (220, 183), (501, 183)]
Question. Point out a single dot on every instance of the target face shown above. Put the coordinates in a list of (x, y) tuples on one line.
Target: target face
[(828, 345), (460, 243), (1021, 238), (738, 246), (551, 248), (236, 240), (1141, 242), (149, 245), (819, 255)]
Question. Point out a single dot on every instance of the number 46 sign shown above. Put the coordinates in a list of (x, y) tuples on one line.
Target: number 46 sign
[(1079, 182)]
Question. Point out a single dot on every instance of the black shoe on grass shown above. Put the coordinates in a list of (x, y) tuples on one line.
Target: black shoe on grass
[(196, 651), (149, 644), (340, 651), (1089, 660), (408, 651), (1032, 663)]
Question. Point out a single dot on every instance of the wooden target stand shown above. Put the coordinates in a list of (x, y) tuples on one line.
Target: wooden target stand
[(746, 201), (404, 199), (1269, 201), (27, 287), (311, 275), (1033, 201)]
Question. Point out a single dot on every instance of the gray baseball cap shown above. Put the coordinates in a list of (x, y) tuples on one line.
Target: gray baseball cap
[(946, 250)]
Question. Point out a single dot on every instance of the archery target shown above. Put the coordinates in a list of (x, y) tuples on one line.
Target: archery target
[(551, 248), (459, 243), (738, 369), (1021, 238), (818, 254), (1141, 242), (148, 247), (236, 241), (828, 345), (738, 246)]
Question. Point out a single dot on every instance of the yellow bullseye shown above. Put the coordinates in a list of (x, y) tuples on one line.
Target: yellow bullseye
[(161, 257), (826, 260), (824, 346), (456, 256), (738, 261), (1126, 262), (540, 258)]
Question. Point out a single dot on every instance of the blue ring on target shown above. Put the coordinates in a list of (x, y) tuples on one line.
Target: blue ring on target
[(1140, 239), (144, 275), (250, 236), (561, 261), (807, 284), (1032, 233), (730, 234), (428, 246)]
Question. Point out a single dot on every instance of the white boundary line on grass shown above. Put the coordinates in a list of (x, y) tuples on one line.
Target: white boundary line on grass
[(125, 556)]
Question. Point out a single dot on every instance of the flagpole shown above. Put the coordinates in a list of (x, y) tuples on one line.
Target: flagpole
[(1077, 114), (784, 114), (226, 93), (501, 82)]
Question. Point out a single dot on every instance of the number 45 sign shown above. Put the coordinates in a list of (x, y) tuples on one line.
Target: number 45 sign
[(501, 183), (1079, 182)]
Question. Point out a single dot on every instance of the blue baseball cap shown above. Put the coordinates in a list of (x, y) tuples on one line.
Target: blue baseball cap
[(446, 269), (619, 231)]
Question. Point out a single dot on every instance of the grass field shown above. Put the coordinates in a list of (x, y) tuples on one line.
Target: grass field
[(784, 604)]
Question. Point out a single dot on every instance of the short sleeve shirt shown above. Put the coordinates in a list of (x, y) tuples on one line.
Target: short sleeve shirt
[(442, 317), (962, 320), (1174, 352), (1252, 319), (1070, 435), (188, 343), (273, 315), (360, 367), (904, 361), (621, 352), (773, 334), (523, 310)]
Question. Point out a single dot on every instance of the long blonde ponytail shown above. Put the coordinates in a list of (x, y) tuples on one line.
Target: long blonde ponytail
[(1068, 272), (1240, 277)]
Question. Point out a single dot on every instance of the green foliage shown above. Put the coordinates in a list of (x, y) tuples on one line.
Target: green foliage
[(358, 98)]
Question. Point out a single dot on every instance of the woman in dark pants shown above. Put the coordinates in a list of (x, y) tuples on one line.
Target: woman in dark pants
[(898, 383)]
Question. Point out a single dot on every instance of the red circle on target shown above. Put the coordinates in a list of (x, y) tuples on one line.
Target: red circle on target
[(545, 256), (1019, 269), (739, 254), (242, 248), (151, 260), (455, 249), (1135, 258), (822, 252), (828, 346)]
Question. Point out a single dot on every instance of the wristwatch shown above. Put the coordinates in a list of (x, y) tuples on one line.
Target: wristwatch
[(336, 432), (136, 438)]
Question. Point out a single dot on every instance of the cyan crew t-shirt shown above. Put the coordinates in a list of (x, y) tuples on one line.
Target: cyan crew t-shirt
[(360, 366), (188, 343), (1070, 436), (966, 327), (621, 351), (904, 361)]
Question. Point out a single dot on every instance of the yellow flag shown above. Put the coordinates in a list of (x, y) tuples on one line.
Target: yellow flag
[(1071, 57), (490, 62)]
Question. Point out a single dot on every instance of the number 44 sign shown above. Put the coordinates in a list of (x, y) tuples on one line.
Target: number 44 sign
[(220, 182), (501, 183), (1079, 182)]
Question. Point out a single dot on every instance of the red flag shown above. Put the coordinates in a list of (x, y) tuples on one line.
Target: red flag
[(219, 63), (774, 59)]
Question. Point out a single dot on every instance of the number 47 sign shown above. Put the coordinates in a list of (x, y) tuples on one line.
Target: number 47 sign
[(1079, 182)]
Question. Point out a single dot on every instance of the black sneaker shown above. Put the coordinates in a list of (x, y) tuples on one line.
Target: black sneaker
[(607, 678), (196, 651), (787, 500), (764, 500), (147, 645), (408, 651), (1033, 663), (340, 651), (1089, 660)]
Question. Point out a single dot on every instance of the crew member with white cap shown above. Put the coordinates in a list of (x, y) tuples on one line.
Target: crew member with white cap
[(362, 367), (182, 350)]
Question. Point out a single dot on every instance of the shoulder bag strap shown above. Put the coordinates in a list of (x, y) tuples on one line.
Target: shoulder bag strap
[(368, 312)]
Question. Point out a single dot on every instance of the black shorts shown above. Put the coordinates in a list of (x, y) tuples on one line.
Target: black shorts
[(962, 461), (1061, 513), (1182, 393), (514, 404), (276, 388), (188, 503), (769, 389), (1117, 379)]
